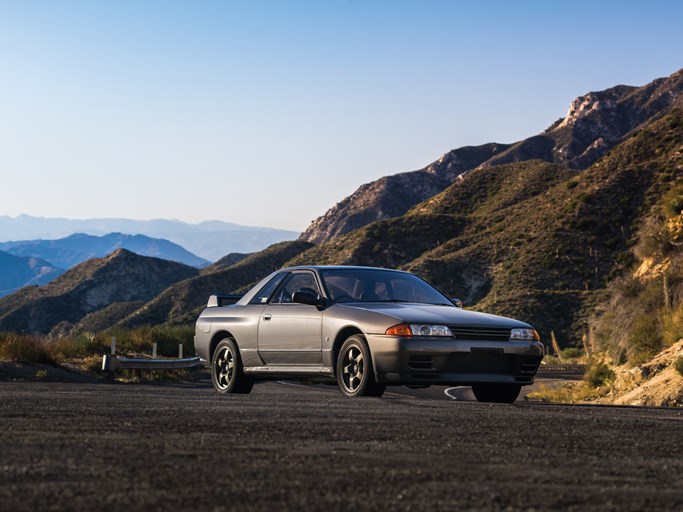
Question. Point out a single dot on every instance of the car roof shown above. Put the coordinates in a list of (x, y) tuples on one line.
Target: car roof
[(338, 267)]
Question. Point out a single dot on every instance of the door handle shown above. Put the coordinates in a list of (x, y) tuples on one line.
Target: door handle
[(267, 317)]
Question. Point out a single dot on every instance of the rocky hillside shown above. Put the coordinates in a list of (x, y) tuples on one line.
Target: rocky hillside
[(534, 240), (594, 124), (655, 383), (17, 272), (120, 278), (392, 196)]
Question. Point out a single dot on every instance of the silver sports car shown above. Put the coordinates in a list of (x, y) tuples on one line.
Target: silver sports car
[(365, 327)]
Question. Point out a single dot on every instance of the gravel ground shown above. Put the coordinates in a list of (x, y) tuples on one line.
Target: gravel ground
[(67, 446)]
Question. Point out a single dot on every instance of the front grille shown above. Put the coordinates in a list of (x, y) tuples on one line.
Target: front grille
[(480, 333)]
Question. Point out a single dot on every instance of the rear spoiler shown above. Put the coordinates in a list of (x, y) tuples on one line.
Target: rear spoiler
[(222, 299)]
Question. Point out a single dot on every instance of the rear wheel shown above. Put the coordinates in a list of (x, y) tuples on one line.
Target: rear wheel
[(355, 375), (227, 373), (497, 393)]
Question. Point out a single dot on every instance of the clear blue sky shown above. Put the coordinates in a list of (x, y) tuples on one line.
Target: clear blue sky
[(267, 113)]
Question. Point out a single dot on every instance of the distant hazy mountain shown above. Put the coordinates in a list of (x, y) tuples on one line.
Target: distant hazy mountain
[(17, 272), (72, 250), (210, 240)]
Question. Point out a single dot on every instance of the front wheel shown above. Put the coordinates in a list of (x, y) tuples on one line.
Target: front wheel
[(227, 373), (355, 375), (496, 393)]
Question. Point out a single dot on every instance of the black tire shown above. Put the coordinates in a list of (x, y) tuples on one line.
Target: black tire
[(496, 393), (227, 373), (355, 374)]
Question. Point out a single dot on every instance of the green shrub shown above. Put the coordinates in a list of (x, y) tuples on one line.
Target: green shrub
[(80, 345), (679, 365), (612, 243), (572, 353), (598, 374), (645, 338), (673, 202), (672, 326), (584, 224)]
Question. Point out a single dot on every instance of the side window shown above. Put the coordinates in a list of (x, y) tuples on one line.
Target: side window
[(264, 294), (300, 281)]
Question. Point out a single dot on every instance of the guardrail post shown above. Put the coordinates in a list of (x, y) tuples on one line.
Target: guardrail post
[(180, 351), (113, 345), (154, 350)]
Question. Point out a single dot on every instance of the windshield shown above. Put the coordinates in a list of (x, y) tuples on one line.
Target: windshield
[(373, 285)]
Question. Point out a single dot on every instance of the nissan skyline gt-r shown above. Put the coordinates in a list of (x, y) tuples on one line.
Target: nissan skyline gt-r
[(367, 328)]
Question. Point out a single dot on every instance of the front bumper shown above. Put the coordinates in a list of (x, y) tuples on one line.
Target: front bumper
[(453, 362)]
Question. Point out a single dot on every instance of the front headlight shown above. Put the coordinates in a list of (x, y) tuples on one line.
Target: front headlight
[(524, 335), (409, 330)]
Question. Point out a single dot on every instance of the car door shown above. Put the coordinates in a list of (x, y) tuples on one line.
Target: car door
[(290, 334)]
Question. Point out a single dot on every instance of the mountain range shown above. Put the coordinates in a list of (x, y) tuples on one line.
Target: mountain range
[(209, 240), (111, 284), (40, 261), (536, 230), (595, 123), (72, 250)]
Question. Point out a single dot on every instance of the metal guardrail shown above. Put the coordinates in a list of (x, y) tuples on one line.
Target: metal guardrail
[(112, 363), (562, 368)]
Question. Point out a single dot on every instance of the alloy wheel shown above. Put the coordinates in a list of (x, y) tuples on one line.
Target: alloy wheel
[(224, 368), (353, 368)]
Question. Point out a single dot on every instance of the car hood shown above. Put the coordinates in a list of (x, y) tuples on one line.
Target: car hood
[(434, 314)]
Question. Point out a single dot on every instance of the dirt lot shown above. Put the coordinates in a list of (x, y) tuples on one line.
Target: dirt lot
[(67, 446)]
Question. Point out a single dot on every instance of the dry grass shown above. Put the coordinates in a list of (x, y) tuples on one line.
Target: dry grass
[(23, 348), (85, 349), (597, 382), (569, 393)]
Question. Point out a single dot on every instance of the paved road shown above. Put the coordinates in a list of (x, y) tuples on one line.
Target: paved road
[(147, 447)]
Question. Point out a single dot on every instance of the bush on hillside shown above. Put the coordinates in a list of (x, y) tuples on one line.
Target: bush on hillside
[(679, 365), (23, 348), (598, 374)]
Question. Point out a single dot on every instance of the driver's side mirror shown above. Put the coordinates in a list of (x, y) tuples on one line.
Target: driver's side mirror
[(308, 298), (457, 303)]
